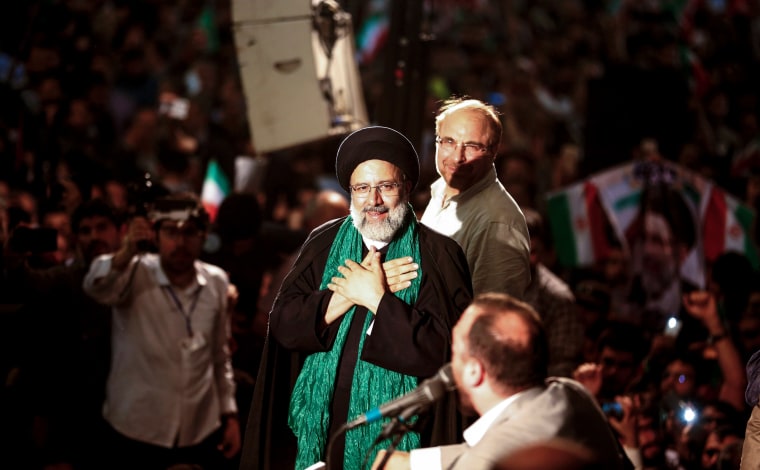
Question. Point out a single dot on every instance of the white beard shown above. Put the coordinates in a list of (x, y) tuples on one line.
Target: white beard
[(382, 231)]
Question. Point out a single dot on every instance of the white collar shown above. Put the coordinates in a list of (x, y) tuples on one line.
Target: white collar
[(377, 244), (473, 434), (438, 188)]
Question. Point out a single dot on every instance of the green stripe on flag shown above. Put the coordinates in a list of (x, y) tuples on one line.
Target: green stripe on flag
[(215, 174), (561, 223), (746, 218), (632, 200)]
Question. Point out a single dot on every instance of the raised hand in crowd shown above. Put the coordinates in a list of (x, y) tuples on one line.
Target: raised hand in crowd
[(703, 306)]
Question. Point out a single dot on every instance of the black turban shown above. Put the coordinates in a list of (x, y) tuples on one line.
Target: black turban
[(376, 143)]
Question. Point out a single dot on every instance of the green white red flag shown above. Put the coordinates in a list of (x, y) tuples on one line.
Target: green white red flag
[(578, 225), (216, 187), (587, 218)]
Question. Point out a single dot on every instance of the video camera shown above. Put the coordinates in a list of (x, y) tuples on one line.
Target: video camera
[(141, 198)]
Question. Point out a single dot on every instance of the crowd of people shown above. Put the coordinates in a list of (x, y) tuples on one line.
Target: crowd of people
[(137, 326)]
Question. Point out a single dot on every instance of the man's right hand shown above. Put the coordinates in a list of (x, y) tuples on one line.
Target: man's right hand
[(399, 273), (139, 230), (590, 376)]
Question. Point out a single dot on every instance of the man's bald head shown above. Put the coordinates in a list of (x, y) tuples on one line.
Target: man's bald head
[(507, 336), (326, 205)]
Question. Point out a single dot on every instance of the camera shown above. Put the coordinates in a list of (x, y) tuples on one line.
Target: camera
[(141, 197), (180, 211)]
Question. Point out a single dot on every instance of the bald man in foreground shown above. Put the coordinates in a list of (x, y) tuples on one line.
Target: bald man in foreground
[(499, 363)]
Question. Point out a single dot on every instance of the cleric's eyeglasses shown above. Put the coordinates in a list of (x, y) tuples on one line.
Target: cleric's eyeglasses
[(471, 149), (385, 189)]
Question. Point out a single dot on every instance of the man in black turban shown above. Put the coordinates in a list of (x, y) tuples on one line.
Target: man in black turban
[(364, 315)]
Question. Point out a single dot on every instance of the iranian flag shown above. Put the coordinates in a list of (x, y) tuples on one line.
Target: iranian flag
[(584, 215), (620, 194), (726, 226), (577, 223), (216, 187)]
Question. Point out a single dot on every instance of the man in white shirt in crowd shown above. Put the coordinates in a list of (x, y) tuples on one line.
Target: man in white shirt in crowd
[(170, 395)]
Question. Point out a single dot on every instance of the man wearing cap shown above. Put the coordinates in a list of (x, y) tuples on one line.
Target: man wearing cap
[(170, 396), (367, 309), (469, 204)]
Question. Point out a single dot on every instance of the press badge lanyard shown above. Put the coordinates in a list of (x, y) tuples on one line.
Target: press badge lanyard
[(186, 315)]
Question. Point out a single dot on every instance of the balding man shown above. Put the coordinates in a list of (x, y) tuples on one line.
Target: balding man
[(469, 204), (499, 364)]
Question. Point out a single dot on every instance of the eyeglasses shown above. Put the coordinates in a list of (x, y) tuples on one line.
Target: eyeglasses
[(385, 189), (471, 150)]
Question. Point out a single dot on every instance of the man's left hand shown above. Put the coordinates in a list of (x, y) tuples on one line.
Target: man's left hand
[(230, 444), (399, 273), (232, 297)]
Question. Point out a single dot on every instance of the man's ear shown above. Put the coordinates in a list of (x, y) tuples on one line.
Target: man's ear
[(474, 373)]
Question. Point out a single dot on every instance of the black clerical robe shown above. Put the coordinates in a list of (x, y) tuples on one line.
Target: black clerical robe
[(413, 340)]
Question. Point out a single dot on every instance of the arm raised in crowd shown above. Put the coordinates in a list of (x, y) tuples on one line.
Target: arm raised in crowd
[(702, 305)]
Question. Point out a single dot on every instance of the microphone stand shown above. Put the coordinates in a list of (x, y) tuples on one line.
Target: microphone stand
[(399, 425), (396, 439), (396, 428)]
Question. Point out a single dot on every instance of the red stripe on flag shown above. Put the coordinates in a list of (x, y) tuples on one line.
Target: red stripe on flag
[(596, 221), (714, 225), (211, 210)]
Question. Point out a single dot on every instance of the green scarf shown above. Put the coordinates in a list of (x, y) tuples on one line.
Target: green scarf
[(371, 386)]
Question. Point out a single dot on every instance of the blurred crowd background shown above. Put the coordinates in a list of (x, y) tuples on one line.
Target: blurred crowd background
[(87, 89)]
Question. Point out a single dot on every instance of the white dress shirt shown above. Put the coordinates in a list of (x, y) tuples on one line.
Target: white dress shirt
[(490, 227), (171, 374), (430, 458)]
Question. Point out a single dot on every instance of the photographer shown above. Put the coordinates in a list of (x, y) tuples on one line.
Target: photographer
[(170, 397)]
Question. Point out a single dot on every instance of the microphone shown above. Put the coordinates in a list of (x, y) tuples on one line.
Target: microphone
[(428, 392)]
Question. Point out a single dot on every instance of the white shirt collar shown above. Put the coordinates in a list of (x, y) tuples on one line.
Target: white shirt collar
[(377, 244), (473, 434), (438, 188)]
